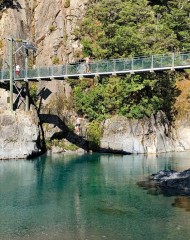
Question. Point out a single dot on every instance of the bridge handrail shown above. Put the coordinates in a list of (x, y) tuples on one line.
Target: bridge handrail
[(158, 61), (120, 59)]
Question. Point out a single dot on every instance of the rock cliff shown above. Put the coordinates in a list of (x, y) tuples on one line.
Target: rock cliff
[(19, 134), (147, 135), (48, 24)]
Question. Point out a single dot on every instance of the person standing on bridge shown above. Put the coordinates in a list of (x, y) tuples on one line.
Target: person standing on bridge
[(17, 70), (87, 59)]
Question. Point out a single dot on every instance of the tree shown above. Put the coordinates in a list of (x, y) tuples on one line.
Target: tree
[(116, 28), (175, 14), (132, 96)]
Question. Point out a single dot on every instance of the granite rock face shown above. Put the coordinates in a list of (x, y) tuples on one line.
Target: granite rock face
[(54, 30), (147, 135), (48, 24), (19, 134)]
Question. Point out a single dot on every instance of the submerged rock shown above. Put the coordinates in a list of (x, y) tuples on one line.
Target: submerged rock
[(179, 181), (163, 174), (168, 182)]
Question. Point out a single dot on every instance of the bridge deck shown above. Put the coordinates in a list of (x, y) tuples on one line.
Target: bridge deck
[(164, 62)]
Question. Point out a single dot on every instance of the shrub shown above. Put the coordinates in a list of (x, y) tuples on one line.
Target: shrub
[(1, 44), (51, 28), (67, 3), (61, 144), (33, 91), (55, 60), (94, 133)]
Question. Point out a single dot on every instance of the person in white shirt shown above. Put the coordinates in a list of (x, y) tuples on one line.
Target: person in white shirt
[(17, 70)]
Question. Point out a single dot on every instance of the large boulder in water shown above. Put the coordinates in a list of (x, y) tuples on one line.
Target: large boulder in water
[(19, 134)]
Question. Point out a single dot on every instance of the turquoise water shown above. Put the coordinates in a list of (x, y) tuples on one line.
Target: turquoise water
[(90, 197)]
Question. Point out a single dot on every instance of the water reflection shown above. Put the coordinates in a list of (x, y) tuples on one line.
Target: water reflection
[(92, 196), (174, 161)]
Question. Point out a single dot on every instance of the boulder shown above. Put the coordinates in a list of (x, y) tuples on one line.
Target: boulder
[(172, 182), (168, 183), (19, 134)]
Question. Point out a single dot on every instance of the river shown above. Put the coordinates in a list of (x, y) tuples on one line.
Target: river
[(90, 197)]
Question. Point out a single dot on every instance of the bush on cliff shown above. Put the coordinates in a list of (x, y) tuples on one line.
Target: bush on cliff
[(131, 96), (117, 28)]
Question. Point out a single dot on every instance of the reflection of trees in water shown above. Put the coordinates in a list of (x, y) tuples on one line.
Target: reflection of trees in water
[(56, 172)]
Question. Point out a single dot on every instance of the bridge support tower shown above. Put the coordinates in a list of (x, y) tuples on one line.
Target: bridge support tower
[(27, 46)]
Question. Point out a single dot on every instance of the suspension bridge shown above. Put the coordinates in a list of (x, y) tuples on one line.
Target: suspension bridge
[(169, 61), (154, 63)]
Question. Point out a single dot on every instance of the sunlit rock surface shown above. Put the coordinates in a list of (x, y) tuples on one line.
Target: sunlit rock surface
[(147, 135), (19, 134), (48, 24)]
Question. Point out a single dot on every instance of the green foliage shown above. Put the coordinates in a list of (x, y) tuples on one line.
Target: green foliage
[(89, 102), (71, 147), (56, 60), (94, 134), (67, 3), (133, 96), (117, 28), (61, 144), (174, 14), (33, 91), (1, 43), (51, 28), (48, 143)]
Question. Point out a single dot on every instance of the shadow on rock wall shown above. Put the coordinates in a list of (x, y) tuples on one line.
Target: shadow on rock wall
[(65, 132)]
